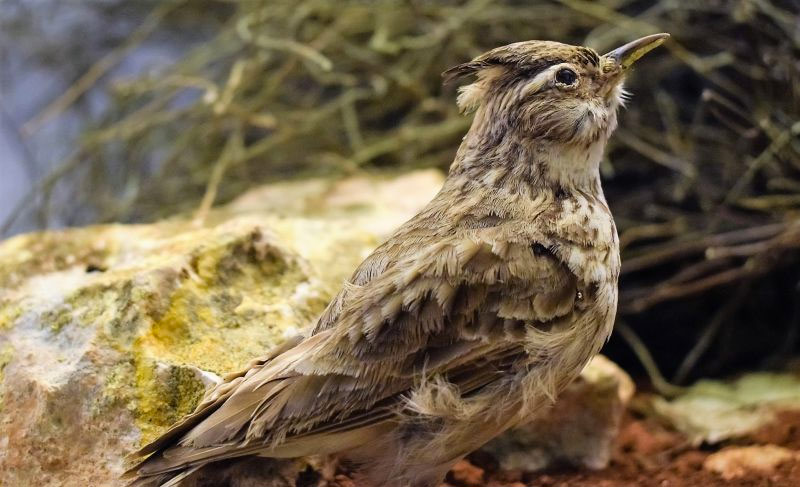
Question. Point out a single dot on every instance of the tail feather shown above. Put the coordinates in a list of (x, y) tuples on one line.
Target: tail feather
[(239, 472), (169, 479)]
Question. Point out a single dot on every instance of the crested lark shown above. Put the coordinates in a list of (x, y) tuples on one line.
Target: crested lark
[(471, 317)]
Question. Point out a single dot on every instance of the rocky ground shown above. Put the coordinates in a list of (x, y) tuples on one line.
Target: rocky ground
[(735, 433), (647, 454)]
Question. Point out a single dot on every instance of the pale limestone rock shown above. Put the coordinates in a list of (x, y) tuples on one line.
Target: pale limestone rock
[(108, 334), (738, 461)]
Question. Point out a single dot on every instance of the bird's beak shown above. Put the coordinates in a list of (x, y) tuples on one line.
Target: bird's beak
[(628, 54)]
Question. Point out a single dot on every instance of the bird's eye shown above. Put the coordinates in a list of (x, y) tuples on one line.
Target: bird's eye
[(566, 76)]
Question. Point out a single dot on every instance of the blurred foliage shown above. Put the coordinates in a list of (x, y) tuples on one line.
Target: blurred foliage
[(712, 412), (703, 174)]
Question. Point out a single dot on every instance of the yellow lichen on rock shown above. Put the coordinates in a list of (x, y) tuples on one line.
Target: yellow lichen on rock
[(202, 323), (164, 394), (6, 353)]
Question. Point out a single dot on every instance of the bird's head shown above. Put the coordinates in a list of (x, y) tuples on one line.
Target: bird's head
[(549, 91)]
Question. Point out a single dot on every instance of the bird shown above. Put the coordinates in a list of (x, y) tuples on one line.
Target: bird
[(470, 318)]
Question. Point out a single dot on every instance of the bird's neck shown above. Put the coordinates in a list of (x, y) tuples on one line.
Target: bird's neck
[(518, 161)]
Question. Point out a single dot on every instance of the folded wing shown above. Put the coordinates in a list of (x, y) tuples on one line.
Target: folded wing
[(457, 309)]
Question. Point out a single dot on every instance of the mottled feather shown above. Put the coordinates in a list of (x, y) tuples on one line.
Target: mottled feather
[(467, 320)]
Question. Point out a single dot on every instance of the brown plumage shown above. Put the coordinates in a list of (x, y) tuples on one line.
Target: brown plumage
[(470, 318)]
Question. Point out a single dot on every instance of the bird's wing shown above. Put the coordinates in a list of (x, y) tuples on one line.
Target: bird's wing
[(458, 308)]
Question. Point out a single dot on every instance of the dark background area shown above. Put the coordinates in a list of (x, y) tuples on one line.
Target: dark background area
[(134, 111)]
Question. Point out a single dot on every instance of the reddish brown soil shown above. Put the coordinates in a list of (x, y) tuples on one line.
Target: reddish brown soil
[(646, 455)]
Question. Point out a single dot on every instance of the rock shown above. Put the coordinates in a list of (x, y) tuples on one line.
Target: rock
[(466, 474), (713, 411), (580, 428), (738, 461), (648, 438), (110, 333)]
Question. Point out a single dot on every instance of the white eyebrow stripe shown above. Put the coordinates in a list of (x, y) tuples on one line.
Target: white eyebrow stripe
[(542, 79)]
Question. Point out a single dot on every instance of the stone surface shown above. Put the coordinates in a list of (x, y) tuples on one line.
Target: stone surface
[(738, 461), (108, 334)]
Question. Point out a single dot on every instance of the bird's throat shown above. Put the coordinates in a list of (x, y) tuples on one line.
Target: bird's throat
[(574, 166), (518, 161)]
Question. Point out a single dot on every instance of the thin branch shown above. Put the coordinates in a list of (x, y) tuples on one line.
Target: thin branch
[(658, 380), (98, 69), (698, 244), (232, 152), (42, 185), (710, 331)]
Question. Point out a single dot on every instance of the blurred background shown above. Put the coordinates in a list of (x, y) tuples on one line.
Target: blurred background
[(119, 111)]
